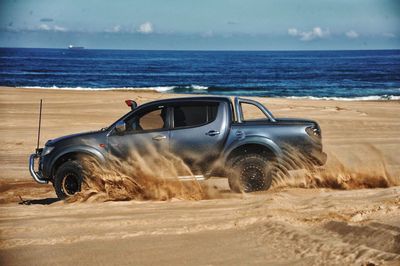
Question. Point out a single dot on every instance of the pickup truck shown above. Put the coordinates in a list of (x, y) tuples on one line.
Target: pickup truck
[(212, 134)]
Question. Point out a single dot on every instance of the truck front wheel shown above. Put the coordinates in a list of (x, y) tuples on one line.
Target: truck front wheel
[(68, 179), (251, 172)]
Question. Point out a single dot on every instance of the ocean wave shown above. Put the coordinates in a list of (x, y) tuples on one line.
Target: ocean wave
[(86, 88), (156, 88), (159, 89), (193, 88), (198, 87), (361, 98)]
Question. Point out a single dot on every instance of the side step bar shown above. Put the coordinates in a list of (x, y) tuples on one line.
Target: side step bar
[(192, 178)]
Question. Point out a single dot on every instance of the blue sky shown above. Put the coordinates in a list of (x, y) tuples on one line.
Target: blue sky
[(204, 25)]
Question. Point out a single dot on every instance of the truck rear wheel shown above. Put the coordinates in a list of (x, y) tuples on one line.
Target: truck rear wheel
[(68, 179), (251, 172)]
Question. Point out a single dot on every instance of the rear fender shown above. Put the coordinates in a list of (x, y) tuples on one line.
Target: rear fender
[(254, 140)]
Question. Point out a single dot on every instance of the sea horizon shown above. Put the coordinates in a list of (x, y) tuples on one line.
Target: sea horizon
[(205, 50), (311, 74)]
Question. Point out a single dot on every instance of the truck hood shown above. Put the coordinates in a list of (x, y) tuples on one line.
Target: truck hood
[(80, 136)]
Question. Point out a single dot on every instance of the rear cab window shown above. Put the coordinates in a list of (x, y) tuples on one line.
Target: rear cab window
[(194, 114), (252, 113)]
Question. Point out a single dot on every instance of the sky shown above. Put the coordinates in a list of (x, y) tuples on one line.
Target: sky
[(201, 25)]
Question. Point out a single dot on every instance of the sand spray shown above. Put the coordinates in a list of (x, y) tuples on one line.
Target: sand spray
[(154, 176)]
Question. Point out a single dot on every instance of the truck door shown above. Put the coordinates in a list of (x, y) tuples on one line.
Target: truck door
[(198, 132), (146, 132)]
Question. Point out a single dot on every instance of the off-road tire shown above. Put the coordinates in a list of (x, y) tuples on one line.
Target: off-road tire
[(250, 173), (68, 179)]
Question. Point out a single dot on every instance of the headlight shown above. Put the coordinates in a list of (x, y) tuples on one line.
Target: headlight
[(47, 150), (313, 131)]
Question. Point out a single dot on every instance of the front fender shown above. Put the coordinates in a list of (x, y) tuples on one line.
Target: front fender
[(81, 149)]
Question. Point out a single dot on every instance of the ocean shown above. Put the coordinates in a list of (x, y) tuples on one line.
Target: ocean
[(346, 75)]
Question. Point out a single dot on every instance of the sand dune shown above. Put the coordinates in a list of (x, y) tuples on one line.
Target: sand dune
[(296, 222)]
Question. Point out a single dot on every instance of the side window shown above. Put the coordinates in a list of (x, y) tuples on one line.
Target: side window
[(152, 120), (194, 115), (149, 120), (251, 112)]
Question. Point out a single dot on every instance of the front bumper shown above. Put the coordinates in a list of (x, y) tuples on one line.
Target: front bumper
[(37, 175), (319, 158)]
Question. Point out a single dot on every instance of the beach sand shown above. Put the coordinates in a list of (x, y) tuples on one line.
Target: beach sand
[(286, 225)]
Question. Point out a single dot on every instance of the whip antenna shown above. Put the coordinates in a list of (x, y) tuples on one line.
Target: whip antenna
[(40, 122)]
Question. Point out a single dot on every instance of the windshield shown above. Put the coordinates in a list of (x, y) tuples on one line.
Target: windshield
[(113, 124)]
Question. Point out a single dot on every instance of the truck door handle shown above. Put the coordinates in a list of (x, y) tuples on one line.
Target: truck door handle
[(212, 133), (159, 137)]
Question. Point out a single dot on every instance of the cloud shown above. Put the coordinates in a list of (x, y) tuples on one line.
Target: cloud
[(115, 29), (293, 32), (315, 33), (352, 34), (388, 35), (46, 20), (145, 28), (59, 28), (207, 34), (46, 27)]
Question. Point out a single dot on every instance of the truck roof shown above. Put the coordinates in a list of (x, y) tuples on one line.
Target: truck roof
[(193, 98)]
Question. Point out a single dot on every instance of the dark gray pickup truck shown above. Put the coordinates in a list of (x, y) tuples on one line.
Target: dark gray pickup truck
[(213, 135)]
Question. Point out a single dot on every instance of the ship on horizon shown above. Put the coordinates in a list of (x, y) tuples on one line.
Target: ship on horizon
[(73, 47)]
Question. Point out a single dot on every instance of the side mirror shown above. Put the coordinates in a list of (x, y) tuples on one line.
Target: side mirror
[(131, 103), (120, 127)]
